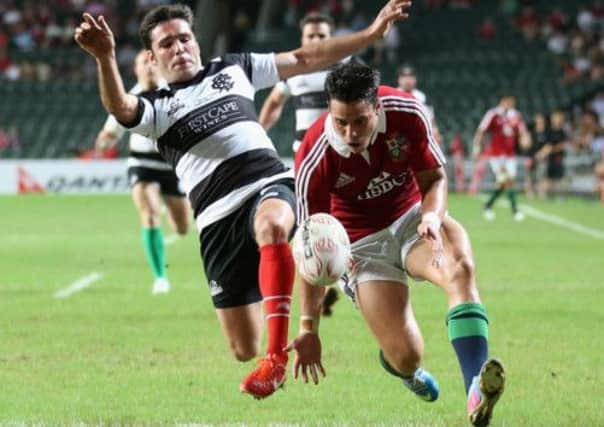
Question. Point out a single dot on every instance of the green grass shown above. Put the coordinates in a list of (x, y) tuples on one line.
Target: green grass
[(114, 354)]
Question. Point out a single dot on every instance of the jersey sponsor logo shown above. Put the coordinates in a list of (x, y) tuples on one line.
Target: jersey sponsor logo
[(215, 288), (343, 180), (222, 82), (207, 118), (382, 184)]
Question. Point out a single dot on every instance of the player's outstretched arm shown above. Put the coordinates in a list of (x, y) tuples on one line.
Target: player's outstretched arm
[(96, 38), (477, 143), (307, 344), (317, 56), (272, 108)]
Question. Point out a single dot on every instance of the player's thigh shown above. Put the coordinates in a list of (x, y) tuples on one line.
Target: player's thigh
[(387, 310), (230, 259), (146, 197), (455, 273), (178, 213)]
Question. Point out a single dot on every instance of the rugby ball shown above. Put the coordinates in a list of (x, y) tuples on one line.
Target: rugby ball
[(321, 249)]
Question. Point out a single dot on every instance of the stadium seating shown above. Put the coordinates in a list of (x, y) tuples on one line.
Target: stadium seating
[(462, 75)]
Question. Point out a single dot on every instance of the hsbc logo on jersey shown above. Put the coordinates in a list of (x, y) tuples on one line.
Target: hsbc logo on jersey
[(383, 184)]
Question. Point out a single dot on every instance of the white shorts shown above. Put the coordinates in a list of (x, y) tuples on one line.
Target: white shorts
[(503, 167), (381, 255)]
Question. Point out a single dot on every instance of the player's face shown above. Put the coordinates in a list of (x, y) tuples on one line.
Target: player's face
[(175, 51), (508, 102), (315, 33), (407, 83), (557, 120), (355, 122)]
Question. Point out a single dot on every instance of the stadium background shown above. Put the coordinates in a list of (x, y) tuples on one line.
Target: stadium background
[(550, 55), (112, 354)]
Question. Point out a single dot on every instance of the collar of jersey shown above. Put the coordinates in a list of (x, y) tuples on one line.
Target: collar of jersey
[(339, 145)]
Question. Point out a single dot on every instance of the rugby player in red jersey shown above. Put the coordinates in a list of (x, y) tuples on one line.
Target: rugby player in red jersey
[(506, 127), (371, 161)]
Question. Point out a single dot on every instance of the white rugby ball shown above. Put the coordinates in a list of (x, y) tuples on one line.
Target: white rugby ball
[(321, 249)]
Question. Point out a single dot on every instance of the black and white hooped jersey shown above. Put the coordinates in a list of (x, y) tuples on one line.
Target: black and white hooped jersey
[(207, 129), (142, 151), (308, 95)]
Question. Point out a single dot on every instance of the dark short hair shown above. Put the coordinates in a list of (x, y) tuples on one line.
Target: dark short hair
[(163, 14), (352, 82), (406, 70), (316, 18)]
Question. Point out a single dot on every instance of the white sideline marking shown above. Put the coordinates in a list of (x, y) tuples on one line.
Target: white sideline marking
[(554, 219), (78, 285)]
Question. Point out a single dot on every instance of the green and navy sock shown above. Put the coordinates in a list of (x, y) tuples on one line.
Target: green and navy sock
[(494, 196), (153, 242), (512, 197), (468, 327)]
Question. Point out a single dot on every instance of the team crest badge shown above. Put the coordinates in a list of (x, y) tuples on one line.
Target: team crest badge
[(222, 82), (397, 147)]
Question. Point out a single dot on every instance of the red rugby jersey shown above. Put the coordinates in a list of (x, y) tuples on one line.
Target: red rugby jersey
[(505, 128), (367, 191)]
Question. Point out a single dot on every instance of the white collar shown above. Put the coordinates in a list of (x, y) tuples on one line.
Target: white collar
[(340, 146)]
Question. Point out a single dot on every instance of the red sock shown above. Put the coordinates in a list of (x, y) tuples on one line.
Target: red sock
[(276, 276)]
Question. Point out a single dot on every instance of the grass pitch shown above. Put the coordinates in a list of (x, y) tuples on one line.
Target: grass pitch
[(113, 354)]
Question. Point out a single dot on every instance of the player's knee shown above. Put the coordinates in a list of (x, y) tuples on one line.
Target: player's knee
[(463, 273), (268, 230), (182, 228), (244, 351), (150, 217)]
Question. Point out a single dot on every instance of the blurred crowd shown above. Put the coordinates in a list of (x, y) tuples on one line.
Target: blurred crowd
[(576, 40), (36, 36), (348, 18)]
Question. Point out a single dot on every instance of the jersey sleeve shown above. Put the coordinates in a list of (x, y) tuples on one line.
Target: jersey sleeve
[(144, 122), (260, 68), (424, 153), (313, 178), (485, 123)]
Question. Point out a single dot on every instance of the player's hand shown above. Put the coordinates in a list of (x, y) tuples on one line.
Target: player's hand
[(393, 11), (308, 356), (429, 229), (95, 36)]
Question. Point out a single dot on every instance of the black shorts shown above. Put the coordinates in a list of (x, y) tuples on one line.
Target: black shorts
[(230, 253), (167, 179), (555, 171)]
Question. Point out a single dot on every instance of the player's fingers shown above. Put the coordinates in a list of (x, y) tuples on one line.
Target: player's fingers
[(104, 24), (305, 374), (91, 21), (321, 369), (313, 374)]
